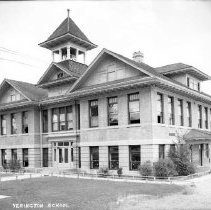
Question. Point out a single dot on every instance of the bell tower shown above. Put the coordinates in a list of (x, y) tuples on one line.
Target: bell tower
[(68, 42)]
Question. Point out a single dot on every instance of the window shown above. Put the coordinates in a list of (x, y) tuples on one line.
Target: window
[(180, 111), (161, 151), (93, 113), (135, 156), (113, 157), (112, 111), (62, 118), (14, 154), (14, 96), (69, 117), (25, 125), (45, 157), (193, 84), (171, 110), (199, 116), (189, 115), (3, 157), (13, 124), (160, 108), (206, 117), (25, 158), (207, 150), (94, 157), (60, 75), (3, 125), (134, 108), (45, 121), (79, 157)]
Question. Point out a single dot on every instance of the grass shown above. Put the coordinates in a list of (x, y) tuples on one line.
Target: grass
[(77, 193)]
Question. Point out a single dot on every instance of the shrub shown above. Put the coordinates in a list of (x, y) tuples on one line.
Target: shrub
[(103, 170), (181, 159), (164, 168), (14, 165), (146, 169), (119, 171)]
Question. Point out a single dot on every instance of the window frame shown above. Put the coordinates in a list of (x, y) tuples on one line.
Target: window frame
[(189, 113), (109, 113), (181, 114), (24, 122), (135, 99), (199, 116), (131, 153), (3, 119), (94, 152), (160, 115), (13, 124), (161, 150), (93, 104), (111, 155), (171, 115)]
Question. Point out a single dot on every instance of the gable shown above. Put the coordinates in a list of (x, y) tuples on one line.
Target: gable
[(111, 69), (8, 94), (52, 73)]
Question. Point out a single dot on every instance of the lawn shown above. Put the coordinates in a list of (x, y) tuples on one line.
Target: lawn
[(76, 193)]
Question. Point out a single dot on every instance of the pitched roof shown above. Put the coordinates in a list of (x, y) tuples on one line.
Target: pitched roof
[(30, 91), (196, 134), (181, 67), (140, 66), (68, 27), (73, 67), (70, 67), (172, 67)]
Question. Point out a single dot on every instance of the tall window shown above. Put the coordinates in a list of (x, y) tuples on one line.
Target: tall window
[(161, 151), (13, 124), (93, 113), (25, 123), (3, 157), (207, 150), (171, 110), (14, 154), (69, 110), (3, 125), (206, 117), (94, 157), (112, 111), (45, 121), (180, 112), (160, 108), (62, 119), (134, 108), (193, 84), (189, 115), (113, 157), (199, 116), (135, 156), (25, 157)]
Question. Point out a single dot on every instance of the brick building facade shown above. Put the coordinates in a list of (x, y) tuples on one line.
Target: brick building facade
[(116, 112)]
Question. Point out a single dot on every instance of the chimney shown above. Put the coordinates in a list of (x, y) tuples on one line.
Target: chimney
[(138, 56)]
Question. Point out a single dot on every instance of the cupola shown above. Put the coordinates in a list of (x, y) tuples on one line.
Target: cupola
[(68, 42)]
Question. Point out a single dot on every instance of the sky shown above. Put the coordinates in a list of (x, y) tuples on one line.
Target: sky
[(165, 31)]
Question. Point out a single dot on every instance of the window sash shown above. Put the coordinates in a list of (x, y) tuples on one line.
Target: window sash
[(94, 157), (135, 157), (112, 111), (93, 113), (113, 157)]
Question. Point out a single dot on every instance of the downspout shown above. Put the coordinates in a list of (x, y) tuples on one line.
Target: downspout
[(76, 133), (41, 138)]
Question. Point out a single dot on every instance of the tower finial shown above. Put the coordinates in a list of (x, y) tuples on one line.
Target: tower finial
[(68, 15)]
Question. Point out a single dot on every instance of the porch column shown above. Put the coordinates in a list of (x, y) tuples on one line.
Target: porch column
[(68, 52)]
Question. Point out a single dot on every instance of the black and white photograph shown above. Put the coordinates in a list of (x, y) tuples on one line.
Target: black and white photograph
[(105, 105)]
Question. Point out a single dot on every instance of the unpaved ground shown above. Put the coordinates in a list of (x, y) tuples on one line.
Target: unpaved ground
[(196, 196)]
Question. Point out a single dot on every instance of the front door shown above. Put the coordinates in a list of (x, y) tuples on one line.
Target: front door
[(62, 155)]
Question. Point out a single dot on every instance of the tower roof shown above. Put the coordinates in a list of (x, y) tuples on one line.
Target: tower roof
[(68, 31)]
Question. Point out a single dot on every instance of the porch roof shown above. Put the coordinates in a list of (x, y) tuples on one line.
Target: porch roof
[(196, 134)]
